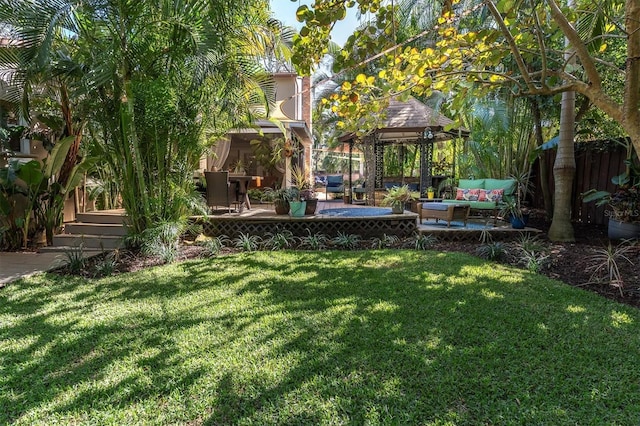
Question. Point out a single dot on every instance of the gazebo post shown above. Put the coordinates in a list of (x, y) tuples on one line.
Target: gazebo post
[(401, 155), (368, 147), (426, 160), (350, 171)]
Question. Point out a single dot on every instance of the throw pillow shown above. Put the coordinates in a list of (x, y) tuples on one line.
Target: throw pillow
[(472, 194), (494, 195)]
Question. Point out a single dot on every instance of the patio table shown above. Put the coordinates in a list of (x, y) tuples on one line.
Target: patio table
[(242, 181)]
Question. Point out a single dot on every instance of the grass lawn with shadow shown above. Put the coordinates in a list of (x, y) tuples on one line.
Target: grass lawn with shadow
[(333, 337)]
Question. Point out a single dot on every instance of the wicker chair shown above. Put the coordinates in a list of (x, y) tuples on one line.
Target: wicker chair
[(220, 192)]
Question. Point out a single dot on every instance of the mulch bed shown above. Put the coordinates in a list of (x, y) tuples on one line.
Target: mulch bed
[(571, 263)]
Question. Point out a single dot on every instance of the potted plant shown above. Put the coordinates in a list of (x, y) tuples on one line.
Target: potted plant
[(305, 190), (431, 192), (624, 216), (280, 198), (515, 213), (513, 209), (397, 197), (309, 195), (239, 168), (297, 205)]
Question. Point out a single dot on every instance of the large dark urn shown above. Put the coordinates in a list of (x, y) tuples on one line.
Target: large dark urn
[(623, 230)]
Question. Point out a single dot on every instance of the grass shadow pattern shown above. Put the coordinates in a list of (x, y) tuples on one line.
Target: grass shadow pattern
[(335, 337)]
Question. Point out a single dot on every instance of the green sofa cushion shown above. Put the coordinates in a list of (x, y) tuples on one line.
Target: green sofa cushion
[(482, 205), (509, 185), (472, 183)]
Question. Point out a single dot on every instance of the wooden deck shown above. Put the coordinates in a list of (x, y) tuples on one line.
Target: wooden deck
[(261, 219)]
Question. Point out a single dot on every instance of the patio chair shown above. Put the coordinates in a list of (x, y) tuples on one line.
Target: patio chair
[(220, 192), (335, 185)]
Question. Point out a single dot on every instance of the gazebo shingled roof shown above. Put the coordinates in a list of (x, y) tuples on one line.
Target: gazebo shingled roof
[(413, 115), (410, 119)]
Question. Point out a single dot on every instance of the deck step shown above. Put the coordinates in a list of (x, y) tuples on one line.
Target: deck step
[(98, 242), (80, 228), (102, 216)]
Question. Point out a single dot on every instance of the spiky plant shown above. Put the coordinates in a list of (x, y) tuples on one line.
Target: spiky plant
[(246, 242), (108, 265), (280, 240), (385, 241), (212, 245), (605, 265), (76, 260), (494, 250), (346, 241), (424, 241), (313, 241)]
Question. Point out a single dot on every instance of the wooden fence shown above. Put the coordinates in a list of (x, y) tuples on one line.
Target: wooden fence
[(596, 163)]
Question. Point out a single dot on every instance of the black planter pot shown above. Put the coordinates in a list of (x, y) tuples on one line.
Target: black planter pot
[(282, 206), (623, 230), (311, 207)]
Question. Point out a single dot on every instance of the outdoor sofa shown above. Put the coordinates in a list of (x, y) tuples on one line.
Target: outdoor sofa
[(484, 196)]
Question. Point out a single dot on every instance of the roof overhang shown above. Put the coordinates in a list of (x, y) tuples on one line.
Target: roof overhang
[(266, 127)]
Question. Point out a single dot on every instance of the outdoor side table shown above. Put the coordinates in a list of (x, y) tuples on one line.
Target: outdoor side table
[(444, 211)]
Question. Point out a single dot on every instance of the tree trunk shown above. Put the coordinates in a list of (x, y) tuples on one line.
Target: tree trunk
[(632, 81), (564, 171)]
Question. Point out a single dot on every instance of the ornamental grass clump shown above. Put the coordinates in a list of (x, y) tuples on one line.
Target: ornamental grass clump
[(605, 265), (313, 241)]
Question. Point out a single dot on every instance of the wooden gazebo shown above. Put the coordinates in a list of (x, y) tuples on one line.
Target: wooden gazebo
[(410, 122)]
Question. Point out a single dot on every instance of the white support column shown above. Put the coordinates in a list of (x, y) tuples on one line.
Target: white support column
[(287, 172), (287, 161)]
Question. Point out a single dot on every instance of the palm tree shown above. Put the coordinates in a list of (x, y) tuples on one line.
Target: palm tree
[(151, 78)]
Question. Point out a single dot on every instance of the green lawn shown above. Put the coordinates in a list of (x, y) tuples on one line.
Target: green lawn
[(364, 337)]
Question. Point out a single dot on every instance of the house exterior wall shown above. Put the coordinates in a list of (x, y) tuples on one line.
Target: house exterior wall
[(306, 101), (295, 91), (286, 90)]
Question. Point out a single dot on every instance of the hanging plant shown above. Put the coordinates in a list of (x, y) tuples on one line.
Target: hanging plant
[(287, 149)]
